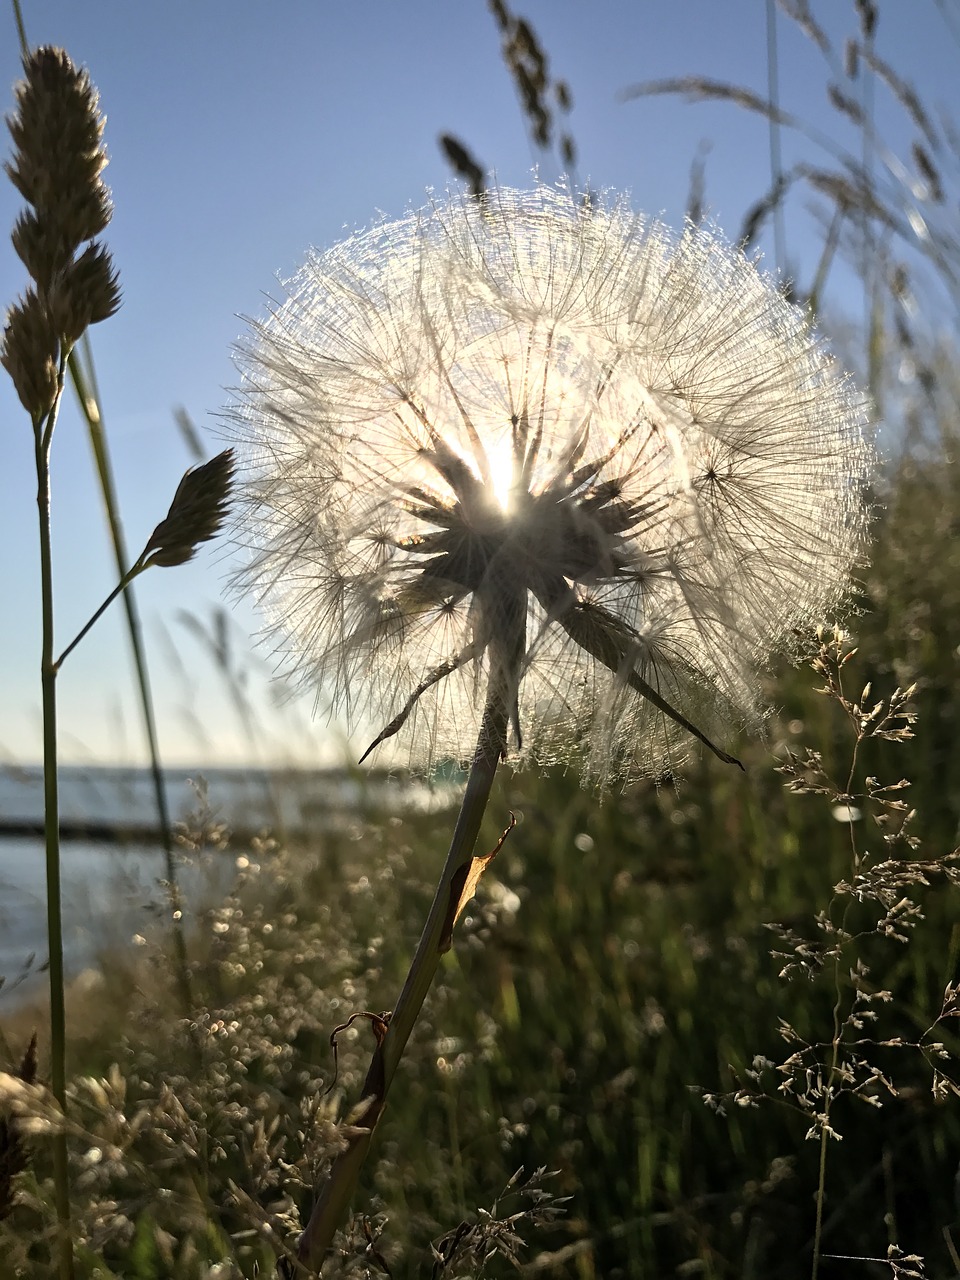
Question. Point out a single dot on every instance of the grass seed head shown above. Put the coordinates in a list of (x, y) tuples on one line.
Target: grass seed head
[(196, 514), (57, 133), (58, 158), (29, 351)]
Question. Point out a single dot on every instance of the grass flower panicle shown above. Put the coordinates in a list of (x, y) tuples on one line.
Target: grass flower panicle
[(196, 514), (58, 160), (551, 445)]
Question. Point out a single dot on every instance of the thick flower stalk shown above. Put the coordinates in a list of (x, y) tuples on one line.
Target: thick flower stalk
[(545, 452)]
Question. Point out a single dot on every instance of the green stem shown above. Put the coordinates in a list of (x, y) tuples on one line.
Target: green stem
[(838, 1002), (830, 242), (774, 126), (51, 800), (89, 397), (21, 29), (124, 582), (434, 941), (821, 1195)]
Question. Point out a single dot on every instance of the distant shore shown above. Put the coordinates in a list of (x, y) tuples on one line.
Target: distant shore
[(117, 805)]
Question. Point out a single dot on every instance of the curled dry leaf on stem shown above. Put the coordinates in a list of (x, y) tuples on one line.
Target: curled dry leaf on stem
[(553, 446)]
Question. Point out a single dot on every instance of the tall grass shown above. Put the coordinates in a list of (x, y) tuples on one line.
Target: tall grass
[(58, 158), (615, 970), (617, 1009)]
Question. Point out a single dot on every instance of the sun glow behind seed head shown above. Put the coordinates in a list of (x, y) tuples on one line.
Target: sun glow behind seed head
[(609, 464), (503, 473)]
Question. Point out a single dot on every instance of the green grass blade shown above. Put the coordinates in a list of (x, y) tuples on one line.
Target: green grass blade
[(83, 375)]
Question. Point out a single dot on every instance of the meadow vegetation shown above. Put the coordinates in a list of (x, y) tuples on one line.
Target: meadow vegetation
[(613, 1012), (705, 1030)]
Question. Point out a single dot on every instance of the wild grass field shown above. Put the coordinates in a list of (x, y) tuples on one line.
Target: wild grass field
[(705, 1029)]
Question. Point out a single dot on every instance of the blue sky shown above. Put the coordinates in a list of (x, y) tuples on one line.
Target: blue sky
[(239, 134)]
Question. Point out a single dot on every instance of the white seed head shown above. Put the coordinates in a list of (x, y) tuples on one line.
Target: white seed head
[(552, 444)]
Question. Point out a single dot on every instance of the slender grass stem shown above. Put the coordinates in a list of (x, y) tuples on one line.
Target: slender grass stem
[(821, 1195), (88, 626), (831, 242), (21, 28), (774, 127), (85, 385), (434, 941), (838, 1002), (43, 434)]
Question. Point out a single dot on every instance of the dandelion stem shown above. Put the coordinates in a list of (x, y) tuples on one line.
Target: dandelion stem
[(434, 941), (43, 433)]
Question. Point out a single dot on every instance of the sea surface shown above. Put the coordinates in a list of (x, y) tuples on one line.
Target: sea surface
[(111, 890)]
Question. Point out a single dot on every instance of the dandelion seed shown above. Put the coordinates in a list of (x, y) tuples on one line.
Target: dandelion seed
[(556, 448)]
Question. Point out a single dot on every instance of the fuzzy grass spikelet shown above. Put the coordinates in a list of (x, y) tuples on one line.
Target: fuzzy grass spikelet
[(196, 514), (58, 159), (551, 446)]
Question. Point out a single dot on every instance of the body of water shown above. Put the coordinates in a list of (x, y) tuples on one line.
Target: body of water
[(110, 896), (112, 862)]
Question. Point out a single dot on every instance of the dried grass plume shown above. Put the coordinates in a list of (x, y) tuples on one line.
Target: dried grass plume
[(57, 165)]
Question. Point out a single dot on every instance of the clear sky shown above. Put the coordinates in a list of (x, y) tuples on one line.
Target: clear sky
[(239, 134)]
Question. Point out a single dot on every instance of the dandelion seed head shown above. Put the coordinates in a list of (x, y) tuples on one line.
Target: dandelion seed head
[(517, 438)]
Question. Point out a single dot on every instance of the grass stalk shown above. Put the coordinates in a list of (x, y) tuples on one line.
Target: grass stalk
[(833, 1073), (43, 435), (820, 1198), (434, 942), (84, 381), (773, 125), (89, 624)]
